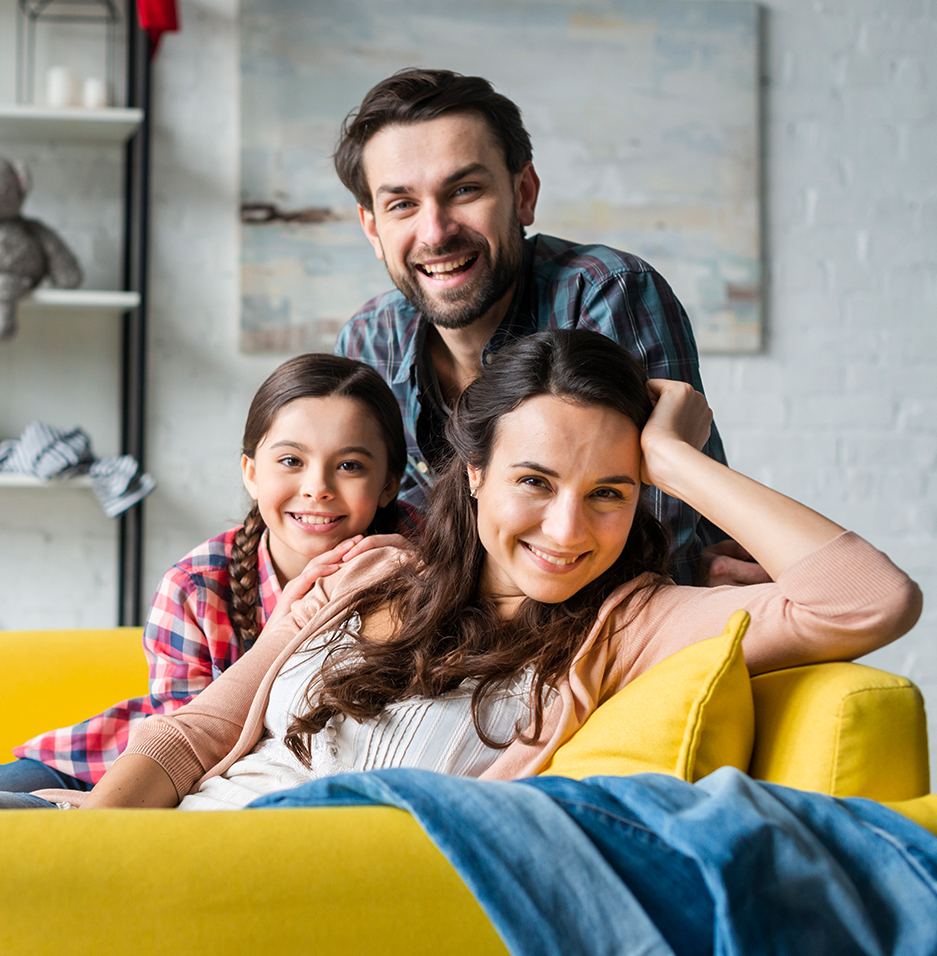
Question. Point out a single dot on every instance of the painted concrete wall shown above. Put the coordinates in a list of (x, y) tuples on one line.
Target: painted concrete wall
[(840, 411)]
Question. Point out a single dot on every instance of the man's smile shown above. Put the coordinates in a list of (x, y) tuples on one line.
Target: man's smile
[(451, 267)]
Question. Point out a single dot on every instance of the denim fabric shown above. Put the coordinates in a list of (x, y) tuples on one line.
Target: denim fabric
[(23, 776), (557, 903), (728, 865), (24, 801)]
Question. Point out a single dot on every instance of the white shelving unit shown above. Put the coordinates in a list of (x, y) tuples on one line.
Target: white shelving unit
[(30, 481), (74, 125), (115, 128), (47, 300)]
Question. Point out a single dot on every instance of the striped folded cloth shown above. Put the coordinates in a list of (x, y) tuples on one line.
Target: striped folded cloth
[(47, 452)]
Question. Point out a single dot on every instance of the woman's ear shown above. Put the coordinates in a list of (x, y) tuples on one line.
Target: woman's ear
[(389, 491), (475, 476), (249, 476)]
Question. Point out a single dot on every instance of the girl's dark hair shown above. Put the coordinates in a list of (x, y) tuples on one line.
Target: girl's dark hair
[(445, 631), (314, 375), (414, 95)]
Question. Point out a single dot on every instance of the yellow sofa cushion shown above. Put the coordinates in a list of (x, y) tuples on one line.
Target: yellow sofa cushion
[(686, 716), (90, 670), (843, 729), (922, 810)]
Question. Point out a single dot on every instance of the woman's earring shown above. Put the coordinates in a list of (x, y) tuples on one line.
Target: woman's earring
[(472, 492)]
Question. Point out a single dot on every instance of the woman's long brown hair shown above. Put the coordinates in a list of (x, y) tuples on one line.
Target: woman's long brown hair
[(445, 632), (313, 375)]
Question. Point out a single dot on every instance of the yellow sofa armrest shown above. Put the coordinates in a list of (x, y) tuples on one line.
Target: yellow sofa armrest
[(52, 679), (844, 729), (326, 880)]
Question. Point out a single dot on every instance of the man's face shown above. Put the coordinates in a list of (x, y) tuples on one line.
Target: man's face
[(447, 216)]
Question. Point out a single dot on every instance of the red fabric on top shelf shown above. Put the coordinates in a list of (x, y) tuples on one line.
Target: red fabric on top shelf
[(157, 17)]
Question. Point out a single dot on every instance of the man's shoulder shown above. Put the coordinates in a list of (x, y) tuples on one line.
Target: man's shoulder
[(558, 259), (387, 321)]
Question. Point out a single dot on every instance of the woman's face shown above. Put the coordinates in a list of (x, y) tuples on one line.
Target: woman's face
[(557, 499)]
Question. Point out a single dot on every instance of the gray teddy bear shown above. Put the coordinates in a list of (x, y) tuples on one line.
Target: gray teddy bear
[(29, 251)]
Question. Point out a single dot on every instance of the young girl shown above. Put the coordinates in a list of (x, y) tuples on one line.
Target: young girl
[(323, 453), (538, 591)]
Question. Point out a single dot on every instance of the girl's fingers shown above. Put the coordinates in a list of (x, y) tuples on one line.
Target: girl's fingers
[(376, 541)]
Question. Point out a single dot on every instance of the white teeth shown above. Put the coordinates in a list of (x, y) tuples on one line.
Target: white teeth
[(440, 268), (562, 562), (313, 519)]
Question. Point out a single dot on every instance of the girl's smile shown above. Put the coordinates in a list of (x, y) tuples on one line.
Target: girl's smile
[(318, 477)]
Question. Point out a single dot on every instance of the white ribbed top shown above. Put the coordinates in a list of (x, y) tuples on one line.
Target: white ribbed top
[(426, 733)]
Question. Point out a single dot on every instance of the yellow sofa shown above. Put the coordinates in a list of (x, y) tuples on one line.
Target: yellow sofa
[(356, 880)]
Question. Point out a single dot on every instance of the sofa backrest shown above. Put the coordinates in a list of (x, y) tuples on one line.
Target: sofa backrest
[(843, 729), (52, 679)]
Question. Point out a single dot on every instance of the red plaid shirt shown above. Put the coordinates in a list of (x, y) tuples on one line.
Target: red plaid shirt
[(188, 640)]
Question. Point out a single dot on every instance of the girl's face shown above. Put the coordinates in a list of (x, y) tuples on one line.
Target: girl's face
[(557, 500), (318, 476)]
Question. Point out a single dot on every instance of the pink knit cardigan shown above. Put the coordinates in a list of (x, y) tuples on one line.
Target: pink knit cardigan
[(838, 603)]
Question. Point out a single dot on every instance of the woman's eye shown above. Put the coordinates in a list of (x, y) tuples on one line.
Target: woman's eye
[(608, 494), (532, 481)]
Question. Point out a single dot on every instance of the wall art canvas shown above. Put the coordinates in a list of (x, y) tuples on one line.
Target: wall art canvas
[(643, 116)]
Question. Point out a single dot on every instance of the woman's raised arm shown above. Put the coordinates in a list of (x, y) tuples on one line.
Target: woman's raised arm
[(776, 530)]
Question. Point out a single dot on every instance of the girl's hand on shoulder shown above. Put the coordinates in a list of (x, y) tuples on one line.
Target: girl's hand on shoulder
[(377, 541), (681, 417), (321, 566)]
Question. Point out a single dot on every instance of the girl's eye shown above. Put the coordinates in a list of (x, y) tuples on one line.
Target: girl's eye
[(350, 466), (290, 461)]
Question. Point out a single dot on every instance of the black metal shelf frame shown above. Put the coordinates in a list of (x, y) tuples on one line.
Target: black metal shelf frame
[(134, 328)]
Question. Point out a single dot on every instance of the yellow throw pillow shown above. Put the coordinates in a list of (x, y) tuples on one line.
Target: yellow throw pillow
[(687, 716)]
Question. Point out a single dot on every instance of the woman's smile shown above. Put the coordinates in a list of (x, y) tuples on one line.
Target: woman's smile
[(553, 563)]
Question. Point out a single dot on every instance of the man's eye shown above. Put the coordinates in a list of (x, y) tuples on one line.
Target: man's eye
[(464, 191), (403, 206)]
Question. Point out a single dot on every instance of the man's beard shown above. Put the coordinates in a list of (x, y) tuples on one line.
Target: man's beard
[(459, 308)]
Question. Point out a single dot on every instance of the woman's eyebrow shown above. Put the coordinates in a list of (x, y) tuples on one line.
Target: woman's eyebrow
[(610, 480)]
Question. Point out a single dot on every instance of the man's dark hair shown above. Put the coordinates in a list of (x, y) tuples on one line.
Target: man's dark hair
[(413, 96)]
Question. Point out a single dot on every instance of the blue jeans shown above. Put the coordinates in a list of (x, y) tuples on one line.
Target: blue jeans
[(24, 801), (24, 776)]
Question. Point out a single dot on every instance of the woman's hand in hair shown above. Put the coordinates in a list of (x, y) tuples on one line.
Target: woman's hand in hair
[(681, 417)]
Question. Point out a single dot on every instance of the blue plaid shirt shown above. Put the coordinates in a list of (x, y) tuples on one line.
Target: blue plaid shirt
[(563, 286)]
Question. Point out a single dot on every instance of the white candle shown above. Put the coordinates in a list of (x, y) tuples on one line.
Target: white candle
[(60, 87), (94, 92)]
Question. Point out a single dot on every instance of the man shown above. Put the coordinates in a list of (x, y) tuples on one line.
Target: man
[(441, 166)]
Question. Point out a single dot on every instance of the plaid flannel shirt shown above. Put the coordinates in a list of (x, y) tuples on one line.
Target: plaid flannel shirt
[(188, 640), (564, 286)]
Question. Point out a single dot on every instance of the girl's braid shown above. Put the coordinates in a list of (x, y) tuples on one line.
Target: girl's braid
[(244, 577)]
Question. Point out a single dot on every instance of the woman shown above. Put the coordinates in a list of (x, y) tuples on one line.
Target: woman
[(537, 591)]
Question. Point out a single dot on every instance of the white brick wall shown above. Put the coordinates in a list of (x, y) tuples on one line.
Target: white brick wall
[(840, 411)]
